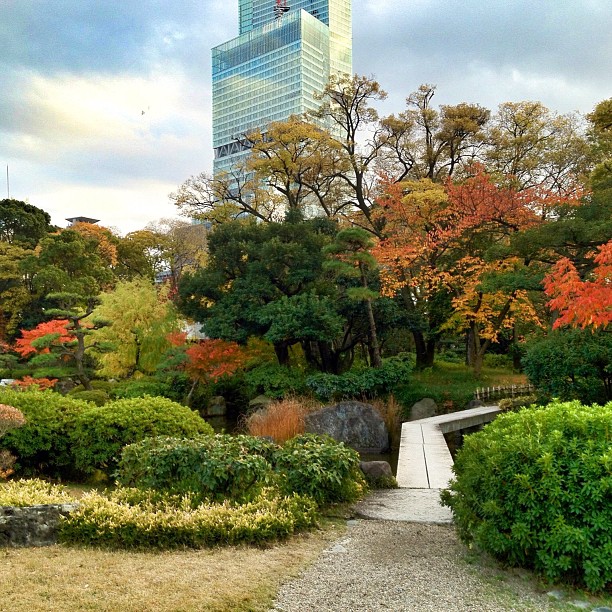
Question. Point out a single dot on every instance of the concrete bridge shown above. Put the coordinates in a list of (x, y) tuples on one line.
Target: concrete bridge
[(424, 467)]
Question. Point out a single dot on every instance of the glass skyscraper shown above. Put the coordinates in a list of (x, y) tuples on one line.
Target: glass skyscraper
[(281, 59)]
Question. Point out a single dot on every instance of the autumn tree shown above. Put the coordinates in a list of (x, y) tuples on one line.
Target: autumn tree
[(453, 240), (533, 147), (424, 142), (137, 319)]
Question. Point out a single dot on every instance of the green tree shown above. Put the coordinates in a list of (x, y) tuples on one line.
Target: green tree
[(254, 273), (353, 259), (138, 318), (22, 223), (14, 295)]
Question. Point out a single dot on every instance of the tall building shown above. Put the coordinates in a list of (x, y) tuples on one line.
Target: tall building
[(284, 55)]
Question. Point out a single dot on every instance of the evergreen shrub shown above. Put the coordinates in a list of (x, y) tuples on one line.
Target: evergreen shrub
[(210, 468), (534, 488), (318, 466), (32, 492), (367, 383), (275, 381), (44, 444), (100, 432)]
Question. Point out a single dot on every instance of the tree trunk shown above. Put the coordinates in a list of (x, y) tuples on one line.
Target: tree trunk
[(282, 353), (425, 350), (373, 347)]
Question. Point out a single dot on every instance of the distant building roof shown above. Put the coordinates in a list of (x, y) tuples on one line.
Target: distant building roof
[(74, 220)]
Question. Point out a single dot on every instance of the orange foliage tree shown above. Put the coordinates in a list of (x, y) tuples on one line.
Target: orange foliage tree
[(582, 302), (439, 242), (51, 333), (210, 360)]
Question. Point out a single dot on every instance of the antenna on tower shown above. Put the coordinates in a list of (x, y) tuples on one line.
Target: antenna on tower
[(280, 8)]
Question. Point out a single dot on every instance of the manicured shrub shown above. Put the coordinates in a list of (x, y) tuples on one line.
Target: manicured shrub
[(367, 383), (32, 493), (42, 445), (141, 520), (321, 468), (534, 488), (100, 432), (128, 389), (95, 396), (512, 403), (210, 468)]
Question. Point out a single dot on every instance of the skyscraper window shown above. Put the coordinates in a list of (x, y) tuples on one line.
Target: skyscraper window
[(281, 59)]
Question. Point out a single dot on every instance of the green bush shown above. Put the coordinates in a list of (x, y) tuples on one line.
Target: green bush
[(534, 488), (32, 493), (367, 383), (275, 381), (212, 468), (43, 444), (95, 396), (321, 468), (571, 364), (142, 520), (128, 389), (100, 432), (512, 403)]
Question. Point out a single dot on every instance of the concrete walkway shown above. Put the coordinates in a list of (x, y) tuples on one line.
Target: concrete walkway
[(424, 468)]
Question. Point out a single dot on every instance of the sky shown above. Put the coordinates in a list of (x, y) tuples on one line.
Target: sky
[(105, 105)]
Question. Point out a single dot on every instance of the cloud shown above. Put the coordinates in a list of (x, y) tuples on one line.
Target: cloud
[(75, 76)]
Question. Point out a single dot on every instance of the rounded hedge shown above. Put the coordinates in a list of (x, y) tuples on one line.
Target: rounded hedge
[(318, 466), (100, 432), (213, 468), (534, 488), (43, 444)]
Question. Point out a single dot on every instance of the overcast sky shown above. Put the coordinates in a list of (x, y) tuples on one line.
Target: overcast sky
[(76, 77)]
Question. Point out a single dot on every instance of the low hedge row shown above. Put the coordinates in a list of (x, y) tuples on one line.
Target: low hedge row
[(238, 467), (133, 519)]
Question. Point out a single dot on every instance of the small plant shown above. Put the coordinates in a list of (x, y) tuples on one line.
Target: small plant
[(512, 403), (280, 420), (533, 489), (391, 412)]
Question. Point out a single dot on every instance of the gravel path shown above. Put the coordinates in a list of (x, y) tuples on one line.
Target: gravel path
[(400, 566)]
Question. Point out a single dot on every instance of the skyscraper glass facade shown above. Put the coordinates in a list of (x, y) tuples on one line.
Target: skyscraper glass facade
[(275, 68)]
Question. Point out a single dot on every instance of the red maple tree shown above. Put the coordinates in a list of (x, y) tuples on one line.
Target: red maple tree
[(58, 327), (582, 302), (210, 360)]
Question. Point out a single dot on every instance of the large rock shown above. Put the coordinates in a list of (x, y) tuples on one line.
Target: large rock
[(216, 406), (423, 409), (356, 424)]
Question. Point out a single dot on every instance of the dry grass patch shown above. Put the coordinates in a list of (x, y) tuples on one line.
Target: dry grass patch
[(281, 420), (221, 580)]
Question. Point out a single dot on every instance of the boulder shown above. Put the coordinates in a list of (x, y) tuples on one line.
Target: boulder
[(423, 409), (376, 469), (261, 401), (475, 403), (356, 424)]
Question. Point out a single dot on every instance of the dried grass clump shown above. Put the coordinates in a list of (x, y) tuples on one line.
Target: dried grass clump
[(391, 412), (280, 421)]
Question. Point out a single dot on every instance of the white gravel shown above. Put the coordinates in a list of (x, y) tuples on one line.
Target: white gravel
[(401, 566)]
